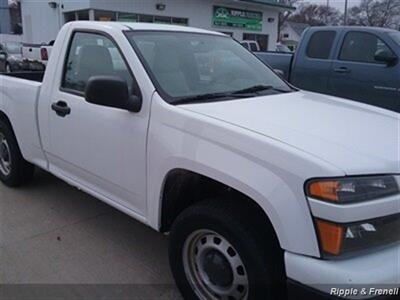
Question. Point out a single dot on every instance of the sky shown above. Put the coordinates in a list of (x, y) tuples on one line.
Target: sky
[(339, 4)]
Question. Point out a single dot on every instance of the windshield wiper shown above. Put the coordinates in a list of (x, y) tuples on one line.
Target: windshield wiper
[(245, 93), (210, 97), (259, 88)]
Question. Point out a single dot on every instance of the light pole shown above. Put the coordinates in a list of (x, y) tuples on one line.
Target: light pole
[(346, 5)]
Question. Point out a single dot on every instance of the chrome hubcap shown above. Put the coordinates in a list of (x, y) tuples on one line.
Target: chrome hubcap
[(213, 267), (5, 156)]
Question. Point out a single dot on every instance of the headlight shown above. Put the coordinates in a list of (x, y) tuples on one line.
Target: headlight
[(339, 239), (352, 189)]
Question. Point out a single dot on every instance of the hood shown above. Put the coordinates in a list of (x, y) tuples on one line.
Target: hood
[(356, 138)]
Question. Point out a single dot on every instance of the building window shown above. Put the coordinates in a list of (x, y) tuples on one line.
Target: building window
[(128, 17), (101, 15), (180, 21), (83, 15), (69, 17), (162, 20), (146, 19)]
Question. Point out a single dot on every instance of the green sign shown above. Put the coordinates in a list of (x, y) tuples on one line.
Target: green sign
[(232, 17)]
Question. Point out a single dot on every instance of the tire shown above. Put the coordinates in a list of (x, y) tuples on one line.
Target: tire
[(14, 169), (258, 271)]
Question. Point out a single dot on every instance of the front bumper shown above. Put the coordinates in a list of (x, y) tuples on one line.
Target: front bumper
[(380, 269)]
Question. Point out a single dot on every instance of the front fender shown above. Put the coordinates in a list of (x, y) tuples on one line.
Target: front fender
[(268, 172)]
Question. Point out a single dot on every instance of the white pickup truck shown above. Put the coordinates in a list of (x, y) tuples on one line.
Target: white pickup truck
[(266, 191)]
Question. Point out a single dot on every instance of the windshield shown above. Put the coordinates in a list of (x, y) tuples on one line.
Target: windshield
[(14, 48), (188, 64), (396, 37)]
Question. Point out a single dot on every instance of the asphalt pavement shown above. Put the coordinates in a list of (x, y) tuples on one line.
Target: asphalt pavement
[(57, 242)]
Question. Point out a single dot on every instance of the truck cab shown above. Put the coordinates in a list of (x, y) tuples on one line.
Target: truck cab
[(358, 63), (350, 62)]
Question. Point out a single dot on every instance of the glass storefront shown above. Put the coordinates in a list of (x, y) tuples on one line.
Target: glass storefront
[(80, 15), (100, 15)]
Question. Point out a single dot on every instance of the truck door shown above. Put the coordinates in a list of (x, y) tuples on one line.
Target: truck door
[(357, 75), (312, 63), (101, 148)]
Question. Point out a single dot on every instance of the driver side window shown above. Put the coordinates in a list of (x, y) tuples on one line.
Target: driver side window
[(90, 55), (362, 47)]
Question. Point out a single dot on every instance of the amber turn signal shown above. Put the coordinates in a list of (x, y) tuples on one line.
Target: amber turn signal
[(324, 190), (330, 236)]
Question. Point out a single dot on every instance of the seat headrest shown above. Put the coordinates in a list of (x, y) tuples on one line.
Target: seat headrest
[(94, 60)]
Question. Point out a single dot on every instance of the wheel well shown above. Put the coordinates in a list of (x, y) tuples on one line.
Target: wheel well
[(3, 117), (184, 188)]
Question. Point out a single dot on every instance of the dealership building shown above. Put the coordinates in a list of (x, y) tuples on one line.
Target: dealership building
[(242, 19)]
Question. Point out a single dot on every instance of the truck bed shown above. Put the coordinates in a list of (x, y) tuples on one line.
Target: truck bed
[(19, 94), (33, 76)]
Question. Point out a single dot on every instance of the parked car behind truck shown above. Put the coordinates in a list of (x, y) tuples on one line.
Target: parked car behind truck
[(359, 63), (37, 52), (13, 60), (265, 190)]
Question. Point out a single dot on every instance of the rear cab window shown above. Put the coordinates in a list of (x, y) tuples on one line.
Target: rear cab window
[(320, 44)]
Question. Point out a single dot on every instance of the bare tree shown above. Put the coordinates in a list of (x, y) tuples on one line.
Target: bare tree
[(380, 13), (14, 7), (284, 16), (317, 15)]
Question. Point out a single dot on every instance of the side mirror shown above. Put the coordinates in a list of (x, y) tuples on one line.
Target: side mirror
[(386, 56), (3, 55), (111, 91)]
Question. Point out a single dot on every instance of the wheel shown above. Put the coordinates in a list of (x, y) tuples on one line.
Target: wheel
[(216, 251), (14, 169)]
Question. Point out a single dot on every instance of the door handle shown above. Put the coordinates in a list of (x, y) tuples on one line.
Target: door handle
[(342, 70), (61, 108)]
